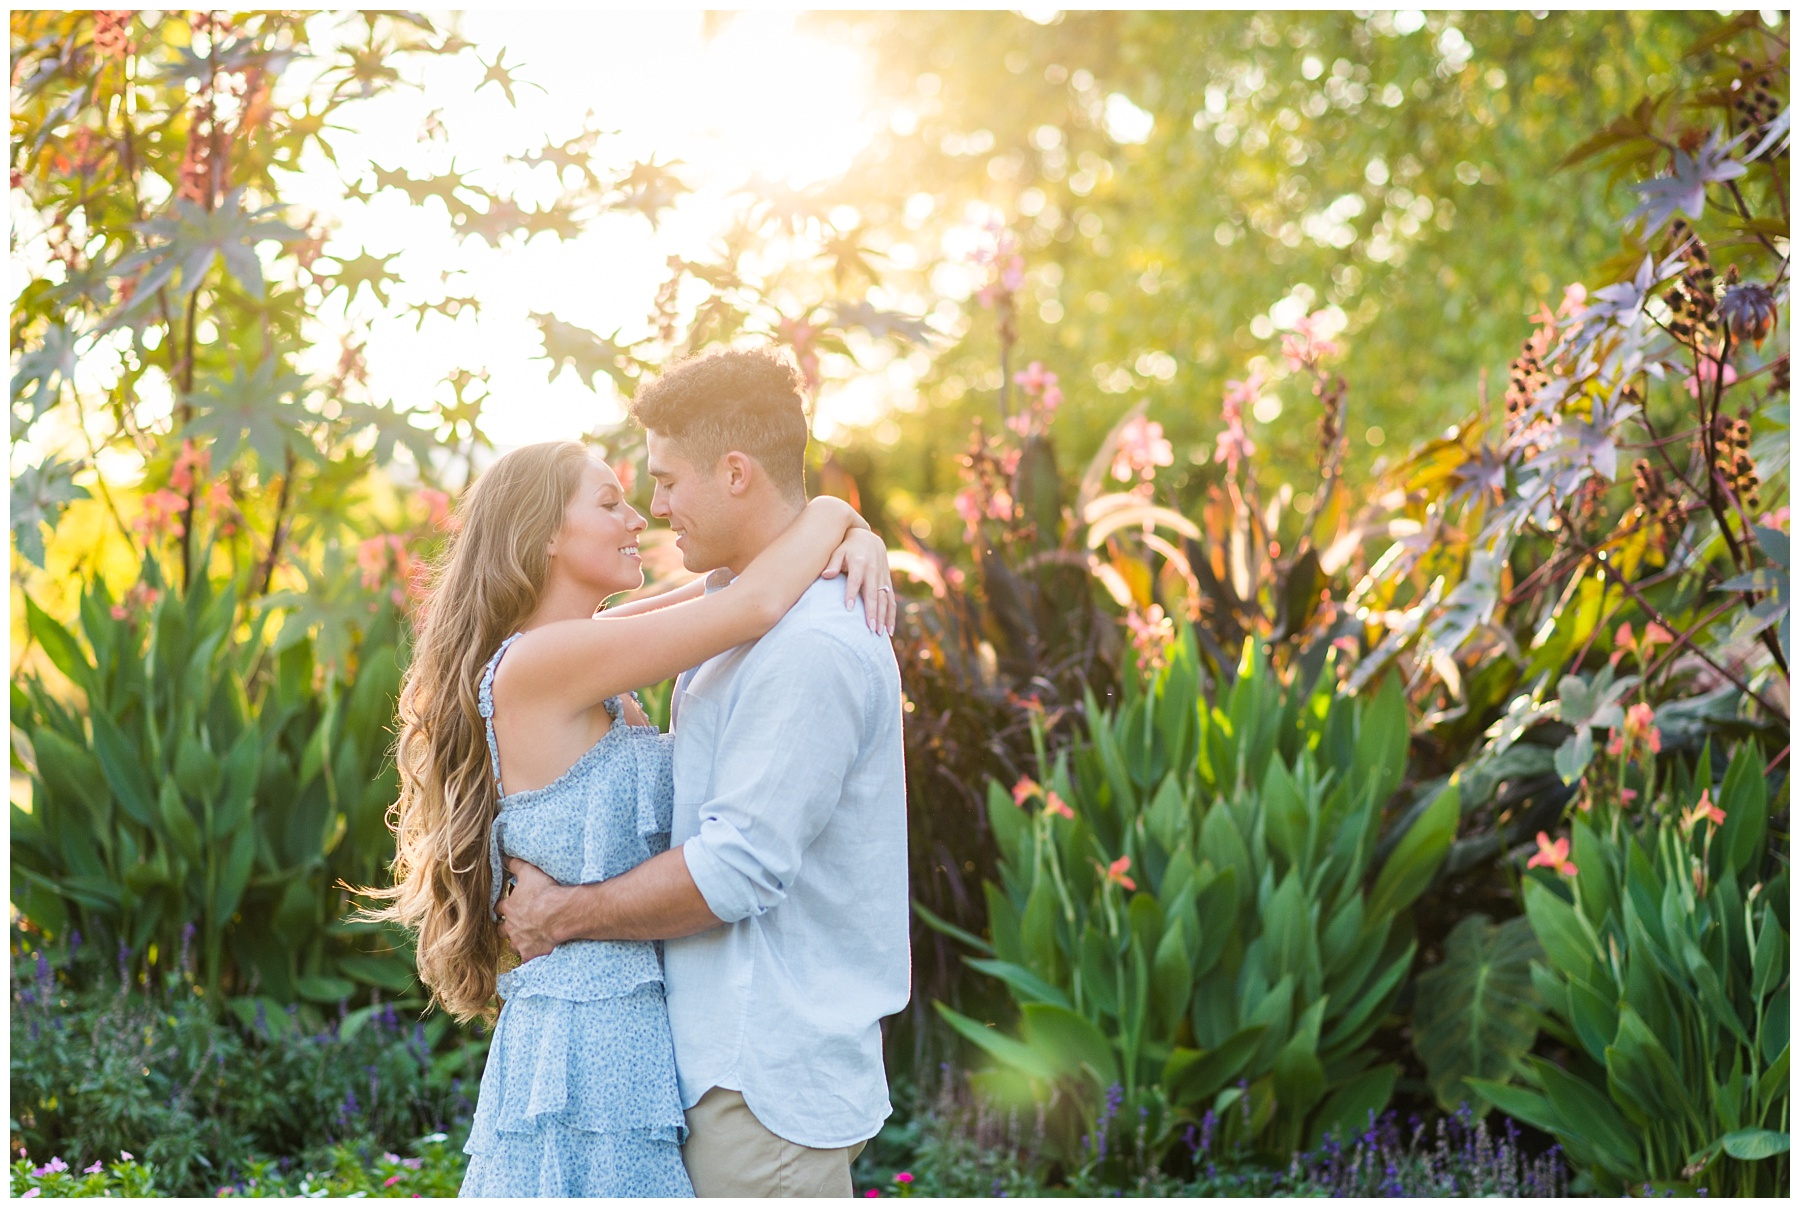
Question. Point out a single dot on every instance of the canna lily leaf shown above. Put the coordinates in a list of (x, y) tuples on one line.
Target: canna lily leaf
[(1416, 858), (1070, 1041), (1755, 1144), (1193, 1076), (1027, 987)]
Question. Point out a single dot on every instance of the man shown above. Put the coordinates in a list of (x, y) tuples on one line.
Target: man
[(783, 896)]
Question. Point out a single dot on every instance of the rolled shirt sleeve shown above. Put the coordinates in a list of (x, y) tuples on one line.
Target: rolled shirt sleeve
[(778, 772)]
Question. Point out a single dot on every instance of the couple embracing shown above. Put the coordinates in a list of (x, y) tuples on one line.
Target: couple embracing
[(712, 922)]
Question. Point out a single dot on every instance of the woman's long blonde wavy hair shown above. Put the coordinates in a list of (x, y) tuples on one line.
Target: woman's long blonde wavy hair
[(486, 584)]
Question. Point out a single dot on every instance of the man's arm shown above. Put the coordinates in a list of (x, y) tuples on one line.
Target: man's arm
[(657, 900)]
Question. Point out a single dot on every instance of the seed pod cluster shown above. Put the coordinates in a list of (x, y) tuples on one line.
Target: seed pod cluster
[(1755, 106), (1749, 310), (1526, 375), (1660, 504), (1731, 458), (1691, 298)]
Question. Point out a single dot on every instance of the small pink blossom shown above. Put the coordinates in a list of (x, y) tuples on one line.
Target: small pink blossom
[(1708, 373), (122, 1154), (1141, 449), (1777, 519), (1056, 807), (191, 461), (968, 506), (1025, 790), (96, 1168), (1554, 856), (1115, 873), (1627, 796), (1151, 634), (1574, 300), (31, 1193), (392, 1179), (872, 1193), (163, 511), (905, 1176), (1307, 346), (1034, 378), (1000, 506), (437, 504)]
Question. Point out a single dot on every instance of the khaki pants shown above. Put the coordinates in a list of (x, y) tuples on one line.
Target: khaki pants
[(729, 1152)]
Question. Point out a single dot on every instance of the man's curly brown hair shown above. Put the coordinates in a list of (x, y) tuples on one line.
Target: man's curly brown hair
[(742, 399)]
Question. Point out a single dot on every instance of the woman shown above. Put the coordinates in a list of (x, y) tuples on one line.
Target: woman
[(515, 683)]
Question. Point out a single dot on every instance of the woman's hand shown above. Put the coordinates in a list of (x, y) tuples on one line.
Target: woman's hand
[(862, 560)]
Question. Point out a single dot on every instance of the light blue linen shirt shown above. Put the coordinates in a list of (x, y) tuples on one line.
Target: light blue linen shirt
[(790, 808)]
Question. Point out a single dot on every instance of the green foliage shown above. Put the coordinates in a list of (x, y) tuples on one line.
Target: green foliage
[(98, 1069), (209, 785), (344, 1170), (1183, 917), (1475, 1012), (1404, 176), (1665, 974)]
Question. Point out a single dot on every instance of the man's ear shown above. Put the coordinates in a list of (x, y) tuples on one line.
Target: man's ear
[(739, 470)]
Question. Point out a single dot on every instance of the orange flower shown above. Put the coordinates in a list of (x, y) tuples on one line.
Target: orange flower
[(1055, 805), (1704, 810), (1116, 871), (1554, 856), (1025, 790)]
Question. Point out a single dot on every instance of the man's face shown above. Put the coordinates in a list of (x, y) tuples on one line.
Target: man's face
[(695, 502)]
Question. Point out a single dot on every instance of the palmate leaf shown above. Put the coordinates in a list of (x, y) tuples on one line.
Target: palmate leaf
[(193, 239), (1684, 190), (1475, 1013), (43, 368), (363, 272), (393, 429), (589, 354), (39, 495), (258, 409), (882, 324)]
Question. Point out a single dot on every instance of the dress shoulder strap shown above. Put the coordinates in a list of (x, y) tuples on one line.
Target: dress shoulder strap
[(485, 703)]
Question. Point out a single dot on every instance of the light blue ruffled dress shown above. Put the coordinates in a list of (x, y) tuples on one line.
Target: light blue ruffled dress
[(579, 1096)]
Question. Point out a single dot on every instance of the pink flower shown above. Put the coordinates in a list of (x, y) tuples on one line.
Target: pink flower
[(122, 1154), (1056, 807), (1574, 300), (1640, 724), (872, 1194), (1627, 796), (32, 1193), (1025, 790), (1115, 872), (1234, 443), (54, 1166), (968, 506), (163, 511), (1000, 506), (1141, 449), (437, 504), (1554, 856), (189, 461), (1306, 346), (392, 1179), (905, 1176), (96, 1168), (1151, 634), (1034, 378), (1777, 519), (1708, 373), (372, 560)]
